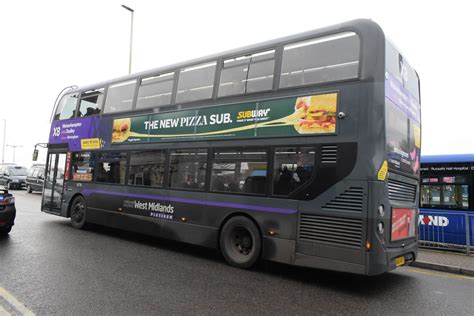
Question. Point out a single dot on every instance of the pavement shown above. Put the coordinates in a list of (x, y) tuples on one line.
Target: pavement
[(445, 261)]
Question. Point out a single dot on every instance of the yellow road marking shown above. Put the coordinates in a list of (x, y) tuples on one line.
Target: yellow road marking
[(3, 311), (441, 274), (15, 303)]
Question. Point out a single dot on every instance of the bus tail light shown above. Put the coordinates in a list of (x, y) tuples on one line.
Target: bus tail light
[(368, 246)]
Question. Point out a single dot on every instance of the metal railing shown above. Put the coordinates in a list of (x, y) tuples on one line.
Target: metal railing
[(446, 231)]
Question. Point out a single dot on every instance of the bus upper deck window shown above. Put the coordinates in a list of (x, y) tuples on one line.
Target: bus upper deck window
[(67, 107), (120, 96), (325, 59), (91, 102), (196, 83)]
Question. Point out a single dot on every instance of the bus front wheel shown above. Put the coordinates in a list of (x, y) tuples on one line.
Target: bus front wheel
[(78, 212), (240, 242)]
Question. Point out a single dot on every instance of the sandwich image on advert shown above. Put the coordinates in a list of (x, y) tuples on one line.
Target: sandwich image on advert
[(316, 114), (121, 130)]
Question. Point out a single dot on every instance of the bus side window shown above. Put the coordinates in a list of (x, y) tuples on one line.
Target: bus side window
[(147, 168), (237, 171), (111, 167), (293, 167), (188, 169), (330, 58)]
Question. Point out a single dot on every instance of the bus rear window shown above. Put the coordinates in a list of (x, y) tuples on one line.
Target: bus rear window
[(325, 59)]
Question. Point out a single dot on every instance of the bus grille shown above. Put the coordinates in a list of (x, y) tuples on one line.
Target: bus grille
[(401, 192), (333, 230), (351, 200), (329, 154)]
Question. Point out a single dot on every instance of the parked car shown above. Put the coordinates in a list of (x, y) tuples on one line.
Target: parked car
[(7, 212), (35, 178), (12, 176)]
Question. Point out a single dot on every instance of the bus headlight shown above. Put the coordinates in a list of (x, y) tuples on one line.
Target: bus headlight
[(380, 228), (381, 210)]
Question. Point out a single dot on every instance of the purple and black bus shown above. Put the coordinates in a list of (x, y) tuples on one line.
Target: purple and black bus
[(303, 150)]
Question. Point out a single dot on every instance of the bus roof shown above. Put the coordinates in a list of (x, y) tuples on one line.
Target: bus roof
[(358, 25), (447, 158)]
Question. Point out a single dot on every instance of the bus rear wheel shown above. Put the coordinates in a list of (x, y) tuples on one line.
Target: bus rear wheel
[(78, 212), (240, 242)]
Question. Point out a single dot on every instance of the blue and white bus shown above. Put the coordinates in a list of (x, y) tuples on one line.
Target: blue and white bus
[(447, 199)]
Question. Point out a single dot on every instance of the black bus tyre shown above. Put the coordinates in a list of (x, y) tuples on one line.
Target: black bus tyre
[(28, 189), (240, 242), (78, 212)]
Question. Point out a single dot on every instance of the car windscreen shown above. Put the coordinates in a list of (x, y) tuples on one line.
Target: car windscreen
[(18, 171)]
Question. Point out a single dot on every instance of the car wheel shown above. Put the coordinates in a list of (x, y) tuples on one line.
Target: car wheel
[(78, 212), (5, 230), (28, 189), (240, 242)]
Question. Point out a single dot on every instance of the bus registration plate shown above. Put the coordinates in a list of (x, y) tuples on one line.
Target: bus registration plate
[(399, 261)]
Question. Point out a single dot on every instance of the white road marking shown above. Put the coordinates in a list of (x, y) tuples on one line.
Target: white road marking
[(15, 303), (3, 311)]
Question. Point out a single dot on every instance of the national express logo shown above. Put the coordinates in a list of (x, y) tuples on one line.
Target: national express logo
[(433, 220)]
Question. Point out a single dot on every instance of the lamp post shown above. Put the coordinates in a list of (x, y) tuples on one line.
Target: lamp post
[(131, 38), (4, 137), (14, 148)]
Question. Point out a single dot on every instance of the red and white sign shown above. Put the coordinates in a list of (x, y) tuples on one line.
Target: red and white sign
[(403, 223)]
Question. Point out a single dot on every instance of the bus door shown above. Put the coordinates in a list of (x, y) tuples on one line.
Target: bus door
[(54, 182)]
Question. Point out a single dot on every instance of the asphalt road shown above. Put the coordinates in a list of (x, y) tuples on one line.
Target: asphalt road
[(47, 267)]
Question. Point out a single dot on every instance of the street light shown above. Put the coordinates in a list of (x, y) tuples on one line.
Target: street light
[(14, 148), (4, 134), (131, 37)]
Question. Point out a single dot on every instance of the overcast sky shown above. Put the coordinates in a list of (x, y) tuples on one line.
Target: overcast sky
[(47, 45)]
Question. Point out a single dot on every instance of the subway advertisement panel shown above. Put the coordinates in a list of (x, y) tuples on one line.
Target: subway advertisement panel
[(305, 115)]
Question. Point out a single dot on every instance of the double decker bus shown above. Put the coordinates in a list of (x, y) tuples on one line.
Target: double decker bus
[(446, 203), (302, 150)]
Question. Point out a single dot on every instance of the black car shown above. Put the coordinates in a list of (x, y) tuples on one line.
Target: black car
[(35, 178), (7, 212), (13, 176)]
